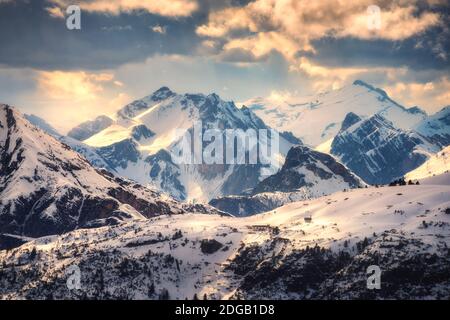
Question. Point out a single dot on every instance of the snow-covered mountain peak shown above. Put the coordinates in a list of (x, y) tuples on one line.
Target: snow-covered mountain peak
[(87, 129), (349, 120), (384, 96), (361, 83), (373, 122), (138, 106), (131, 145), (378, 151), (47, 188), (315, 172), (317, 119), (162, 94), (436, 127)]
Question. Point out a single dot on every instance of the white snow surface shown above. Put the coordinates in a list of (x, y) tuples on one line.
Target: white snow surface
[(437, 164), (169, 119), (46, 163), (317, 119), (341, 217)]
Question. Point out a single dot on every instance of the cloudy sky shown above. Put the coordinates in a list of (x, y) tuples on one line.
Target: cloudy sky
[(239, 49)]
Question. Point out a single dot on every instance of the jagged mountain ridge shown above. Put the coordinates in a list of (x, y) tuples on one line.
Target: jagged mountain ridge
[(87, 129), (131, 149), (317, 119), (379, 152), (306, 174), (47, 188), (436, 127), (162, 118), (409, 136)]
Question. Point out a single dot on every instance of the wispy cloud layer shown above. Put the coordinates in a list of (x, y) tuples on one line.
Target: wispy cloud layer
[(237, 48), (168, 8)]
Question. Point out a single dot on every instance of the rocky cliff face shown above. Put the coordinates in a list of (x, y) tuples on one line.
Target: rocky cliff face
[(306, 168), (87, 129), (145, 132), (305, 174), (378, 152), (47, 188), (436, 127)]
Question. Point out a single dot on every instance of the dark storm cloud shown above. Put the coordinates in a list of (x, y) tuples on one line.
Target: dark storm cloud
[(429, 50), (30, 37), (413, 53)]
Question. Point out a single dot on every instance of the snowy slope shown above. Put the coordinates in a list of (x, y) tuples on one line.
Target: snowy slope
[(137, 144), (318, 173), (316, 119), (306, 174), (47, 188), (437, 164), (436, 127), (278, 255), (87, 129), (441, 179), (86, 151)]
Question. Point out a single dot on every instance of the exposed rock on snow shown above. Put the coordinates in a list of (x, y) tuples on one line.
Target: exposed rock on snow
[(379, 152), (145, 131), (47, 188), (306, 174), (87, 129), (276, 255), (316, 119)]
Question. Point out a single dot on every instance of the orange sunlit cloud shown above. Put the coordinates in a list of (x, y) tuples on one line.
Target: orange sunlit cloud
[(83, 94)]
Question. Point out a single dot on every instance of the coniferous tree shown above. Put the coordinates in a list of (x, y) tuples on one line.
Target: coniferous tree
[(164, 295), (33, 254)]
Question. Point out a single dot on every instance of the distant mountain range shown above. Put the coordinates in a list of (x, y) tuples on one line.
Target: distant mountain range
[(47, 188), (379, 152), (373, 136), (306, 174), (317, 119), (109, 199), (137, 142)]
